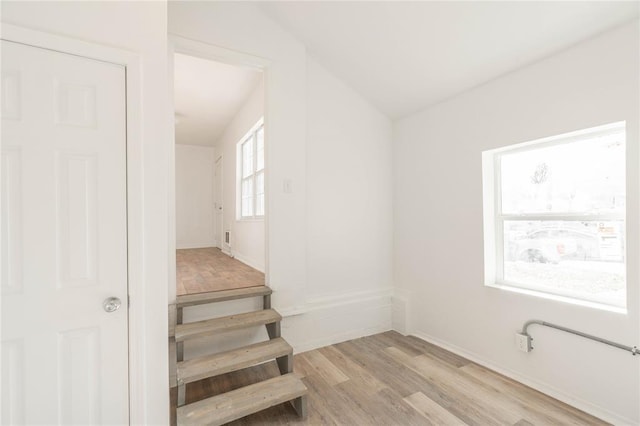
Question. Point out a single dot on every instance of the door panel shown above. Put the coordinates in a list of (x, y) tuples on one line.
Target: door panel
[(64, 241)]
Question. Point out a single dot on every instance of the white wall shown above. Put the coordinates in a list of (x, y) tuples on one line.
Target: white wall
[(349, 189), (247, 236), (194, 196), (438, 225), (141, 29), (241, 27), (329, 241)]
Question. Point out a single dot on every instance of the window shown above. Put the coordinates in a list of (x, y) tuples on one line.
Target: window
[(251, 174), (554, 217)]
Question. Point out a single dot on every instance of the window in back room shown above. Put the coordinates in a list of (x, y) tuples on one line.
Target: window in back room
[(555, 216), (250, 175)]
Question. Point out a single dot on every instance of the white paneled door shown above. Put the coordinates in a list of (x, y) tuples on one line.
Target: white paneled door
[(64, 239)]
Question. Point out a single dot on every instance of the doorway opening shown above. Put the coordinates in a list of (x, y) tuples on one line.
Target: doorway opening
[(219, 175)]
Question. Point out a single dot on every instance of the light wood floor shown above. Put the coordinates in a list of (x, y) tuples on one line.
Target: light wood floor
[(390, 379), (208, 269)]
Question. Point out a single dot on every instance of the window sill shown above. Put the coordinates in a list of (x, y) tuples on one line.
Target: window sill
[(558, 298), (250, 219)]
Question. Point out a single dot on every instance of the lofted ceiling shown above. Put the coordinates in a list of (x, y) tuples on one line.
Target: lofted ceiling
[(406, 56), (207, 95)]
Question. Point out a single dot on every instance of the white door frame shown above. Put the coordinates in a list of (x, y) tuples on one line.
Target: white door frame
[(135, 210), (178, 44), (219, 185)]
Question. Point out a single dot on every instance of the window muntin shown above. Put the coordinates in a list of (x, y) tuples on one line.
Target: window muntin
[(559, 211), (251, 166)]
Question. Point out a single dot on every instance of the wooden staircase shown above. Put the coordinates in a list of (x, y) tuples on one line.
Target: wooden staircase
[(238, 403)]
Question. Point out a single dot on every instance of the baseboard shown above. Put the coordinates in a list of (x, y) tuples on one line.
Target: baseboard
[(332, 301), (325, 321), (249, 262), (545, 388), (339, 338), (207, 244)]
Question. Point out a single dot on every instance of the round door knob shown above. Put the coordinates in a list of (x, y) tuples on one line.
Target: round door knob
[(111, 304)]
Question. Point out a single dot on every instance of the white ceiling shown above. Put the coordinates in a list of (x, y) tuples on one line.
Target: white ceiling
[(405, 56), (207, 96)]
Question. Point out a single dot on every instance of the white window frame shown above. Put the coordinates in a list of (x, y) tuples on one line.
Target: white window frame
[(494, 218), (250, 137)]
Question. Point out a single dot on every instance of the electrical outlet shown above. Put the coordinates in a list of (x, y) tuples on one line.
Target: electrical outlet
[(523, 342)]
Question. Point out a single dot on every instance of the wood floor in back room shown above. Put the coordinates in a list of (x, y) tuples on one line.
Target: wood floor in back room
[(208, 269), (390, 379)]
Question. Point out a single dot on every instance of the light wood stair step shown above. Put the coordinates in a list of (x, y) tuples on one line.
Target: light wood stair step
[(198, 329), (241, 402), (221, 296), (226, 362)]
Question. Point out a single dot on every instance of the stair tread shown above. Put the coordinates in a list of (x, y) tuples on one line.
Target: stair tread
[(241, 402), (197, 329), (225, 362), (221, 296)]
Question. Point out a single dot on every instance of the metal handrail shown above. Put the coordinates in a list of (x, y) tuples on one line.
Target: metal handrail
[(633, 349)]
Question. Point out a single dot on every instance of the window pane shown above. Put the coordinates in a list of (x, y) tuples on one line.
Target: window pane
[(260, 194), (247, 197), (585, 176), (247, 158), (260, 149), (581, 259), (260, 205), (260, 183)]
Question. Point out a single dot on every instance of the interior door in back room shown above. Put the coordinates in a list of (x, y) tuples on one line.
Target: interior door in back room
[(64, 239)]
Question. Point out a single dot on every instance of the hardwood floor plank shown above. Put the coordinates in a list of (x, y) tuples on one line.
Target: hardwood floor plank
[(382, 380), (432, 411), (406, 382), (479, 393), (436, 351), (361, 407), (373, 342), (353, 370), (464, 392), (534, 400), (393, 338), (387, 370), (208, 269), (399, 411), (315, 363), (330, 404)]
